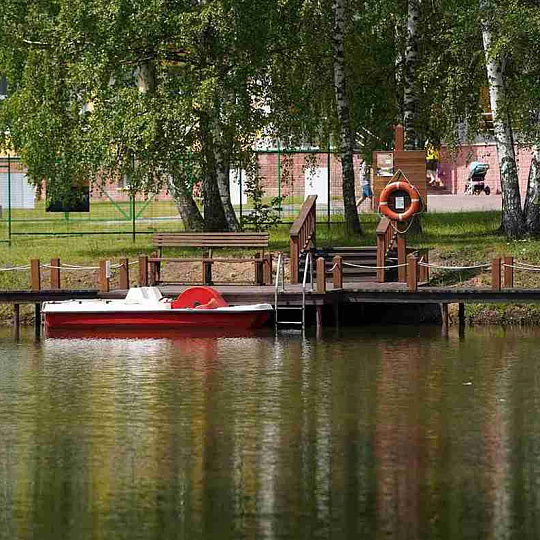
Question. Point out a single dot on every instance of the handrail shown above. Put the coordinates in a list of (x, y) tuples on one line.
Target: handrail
[(279, 272), (302, 234), (309, 265), (388, 236)]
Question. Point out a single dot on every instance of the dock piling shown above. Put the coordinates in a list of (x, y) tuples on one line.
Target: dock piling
[(124, 273), (16, 320), (337, 273), (508, 272), (321, 275), (143, 271), (35, 275), (55, 274), (412, 272), (496, 275)]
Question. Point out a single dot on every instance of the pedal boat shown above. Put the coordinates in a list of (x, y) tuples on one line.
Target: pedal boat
[(145, 307)]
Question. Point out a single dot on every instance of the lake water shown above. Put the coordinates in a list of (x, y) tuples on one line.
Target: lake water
[(370, 433)]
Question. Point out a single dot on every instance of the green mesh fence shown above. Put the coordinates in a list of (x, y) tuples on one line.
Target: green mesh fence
[(287, 177)]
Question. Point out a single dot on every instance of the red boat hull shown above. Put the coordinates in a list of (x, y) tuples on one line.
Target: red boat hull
[(157, 319)]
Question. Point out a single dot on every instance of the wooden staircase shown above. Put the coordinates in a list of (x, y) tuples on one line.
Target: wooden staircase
[(358, 256), (359, 263)]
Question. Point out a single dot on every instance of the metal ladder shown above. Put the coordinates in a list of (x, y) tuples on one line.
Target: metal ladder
[(308, 270)]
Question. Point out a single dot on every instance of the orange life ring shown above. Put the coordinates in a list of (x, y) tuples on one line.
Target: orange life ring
[(414, 208)]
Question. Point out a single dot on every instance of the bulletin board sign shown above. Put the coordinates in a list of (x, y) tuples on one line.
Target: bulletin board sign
[(384, 165)]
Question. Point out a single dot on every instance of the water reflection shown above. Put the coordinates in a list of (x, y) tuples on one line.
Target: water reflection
[(375, 433)]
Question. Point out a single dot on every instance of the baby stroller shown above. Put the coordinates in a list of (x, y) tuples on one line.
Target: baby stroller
[(476, 180)]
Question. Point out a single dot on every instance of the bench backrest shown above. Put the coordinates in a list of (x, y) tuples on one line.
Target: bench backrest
[(225, 239)]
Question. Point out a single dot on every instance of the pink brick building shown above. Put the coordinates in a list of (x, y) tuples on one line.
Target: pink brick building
[(454, 170)]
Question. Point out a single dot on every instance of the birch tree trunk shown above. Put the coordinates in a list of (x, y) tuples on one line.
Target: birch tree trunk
[(410, 93), (222, 151), (214, 214), (512, 216), (188, 210), (531, 209), (345, 133)]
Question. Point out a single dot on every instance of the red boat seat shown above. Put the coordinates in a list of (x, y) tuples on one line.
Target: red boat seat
[(199, 296)]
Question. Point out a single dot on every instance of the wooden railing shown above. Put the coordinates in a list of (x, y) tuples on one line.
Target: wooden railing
[(302, 234), (388, 237)]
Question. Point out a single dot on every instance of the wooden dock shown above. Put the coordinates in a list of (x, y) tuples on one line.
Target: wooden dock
[(349, 294)]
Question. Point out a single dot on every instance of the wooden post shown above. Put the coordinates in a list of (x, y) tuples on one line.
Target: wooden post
[(55, 274), (461, 314), (337, 274), (267, 269), (380, 258), (143, 271), (104, 283), (154, 269), (294, 252), (402, 257), (508, 272), (496, 274), (259, 277), (35, 275), (37, 321), (124, 273), (207, 272), (423, 271), (412, 272), (16, 320), (321, 275)]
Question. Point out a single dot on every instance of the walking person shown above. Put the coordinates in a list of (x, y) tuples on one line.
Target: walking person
[(365, 178)]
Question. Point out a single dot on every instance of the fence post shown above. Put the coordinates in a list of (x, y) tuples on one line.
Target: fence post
[(380, 258), (321, 275), (267, 269), (412, 272), (55, 274), (35, 275), (207, 272), (104, 284), (508, 272), (402, 257), (496, 274), (337, 274), (154, 269), (143, 271), (124, 273), (423, 271), (259, 277)]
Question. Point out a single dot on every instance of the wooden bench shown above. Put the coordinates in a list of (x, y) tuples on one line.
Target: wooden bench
[(210, 241)]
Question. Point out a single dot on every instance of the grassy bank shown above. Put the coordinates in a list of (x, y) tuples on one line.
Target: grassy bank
[(454, 239)]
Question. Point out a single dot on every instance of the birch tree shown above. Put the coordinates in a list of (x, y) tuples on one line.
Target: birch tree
[(198, 115), (346, 141), (410, 76), (512, 215)]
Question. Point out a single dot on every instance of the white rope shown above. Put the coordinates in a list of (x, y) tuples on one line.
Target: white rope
[(406, 229), (333, 267), (77, 267), (13, 268), (73, 267), (439, 267), (375, 267), (520, 266)]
